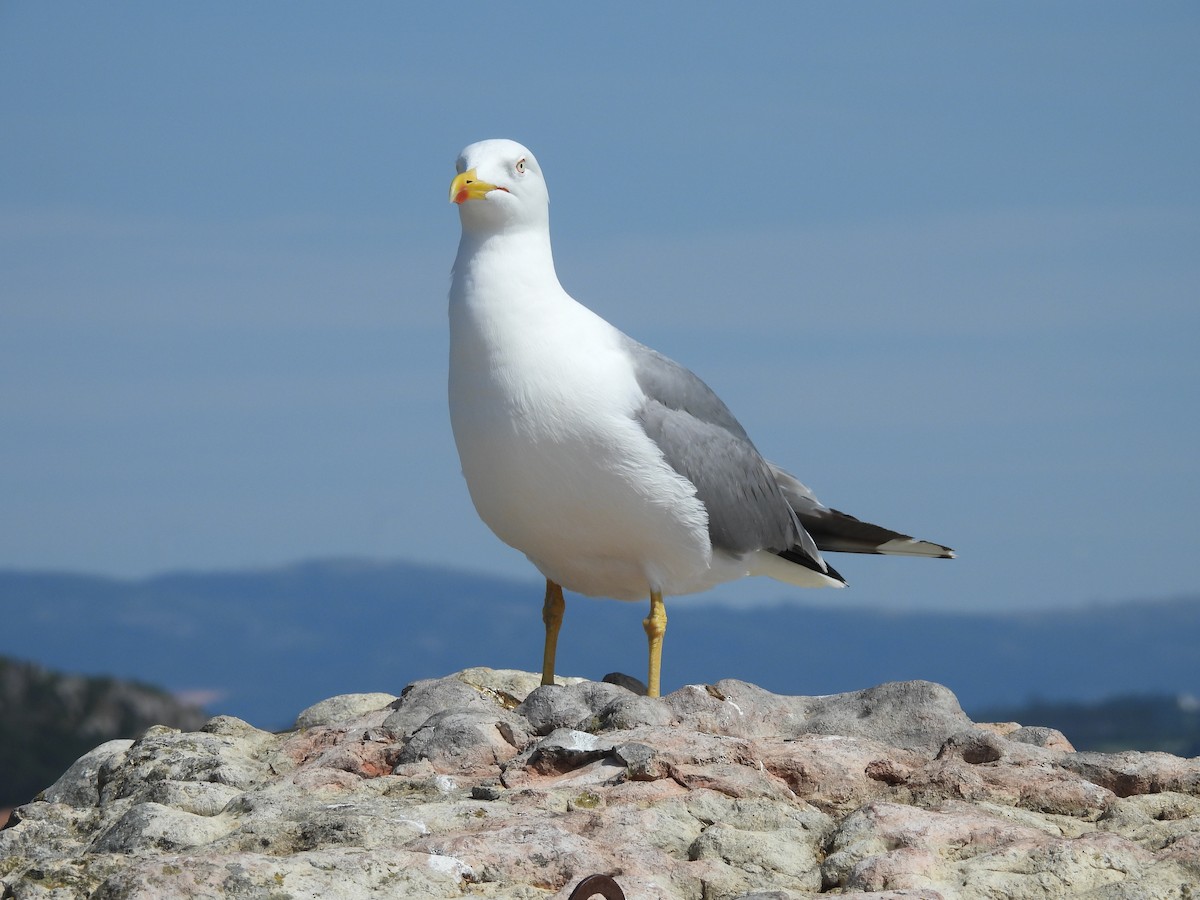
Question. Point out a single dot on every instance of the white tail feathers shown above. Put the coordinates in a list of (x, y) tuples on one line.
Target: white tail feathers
[(764, 562), (913, 547)]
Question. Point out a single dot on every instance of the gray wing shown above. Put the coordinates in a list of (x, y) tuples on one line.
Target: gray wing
[(839, 532), (678, 388), (702, 441)]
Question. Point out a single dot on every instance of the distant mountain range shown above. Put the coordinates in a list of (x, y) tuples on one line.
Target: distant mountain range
[(262, 645)]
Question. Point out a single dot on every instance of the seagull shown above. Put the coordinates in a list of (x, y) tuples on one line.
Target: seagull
[(615, 470)]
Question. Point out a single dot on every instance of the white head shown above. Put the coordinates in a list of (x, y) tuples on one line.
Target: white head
[(499, 187)]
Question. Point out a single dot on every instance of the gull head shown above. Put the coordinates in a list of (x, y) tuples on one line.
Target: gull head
[(499, 187)]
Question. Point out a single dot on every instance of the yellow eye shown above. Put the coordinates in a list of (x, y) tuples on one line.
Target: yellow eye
[(520, 167)]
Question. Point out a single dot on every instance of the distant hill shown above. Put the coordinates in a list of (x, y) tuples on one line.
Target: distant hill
[(262, 645), (48, 720)]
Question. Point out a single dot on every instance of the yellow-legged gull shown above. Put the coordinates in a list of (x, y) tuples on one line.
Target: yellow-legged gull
[(615, 470)]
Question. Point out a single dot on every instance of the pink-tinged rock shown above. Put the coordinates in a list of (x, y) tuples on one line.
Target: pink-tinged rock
[(904, 867), (837, 773), (367, 759), (320, 778), (598, 773), (1185, 851), (732, 780), (1039, 787), (713, 793), (1127, 774), (880, 828), (366, 752), (1037, 735), (300, 747), (968, 853), (1040, 736)]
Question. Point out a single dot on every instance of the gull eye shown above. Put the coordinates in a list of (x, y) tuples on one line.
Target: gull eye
[(520, 167)]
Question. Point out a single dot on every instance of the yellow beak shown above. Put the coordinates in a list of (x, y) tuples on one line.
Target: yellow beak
[(467, 186)]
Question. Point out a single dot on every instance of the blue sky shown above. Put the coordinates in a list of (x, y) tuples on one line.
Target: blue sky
[(941, 259)]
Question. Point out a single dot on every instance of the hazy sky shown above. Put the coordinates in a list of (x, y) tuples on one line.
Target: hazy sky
[(942, 260)]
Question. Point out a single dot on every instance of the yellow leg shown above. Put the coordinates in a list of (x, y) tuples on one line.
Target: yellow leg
[(552, 615), (656, 626)]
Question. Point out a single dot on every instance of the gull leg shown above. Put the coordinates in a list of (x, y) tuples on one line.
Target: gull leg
[(656, 626), (552, 615)]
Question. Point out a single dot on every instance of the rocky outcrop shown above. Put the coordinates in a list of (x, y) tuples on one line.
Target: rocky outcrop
[(484, 784)]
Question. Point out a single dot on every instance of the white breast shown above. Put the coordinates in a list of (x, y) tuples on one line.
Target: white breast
[(542, 398)]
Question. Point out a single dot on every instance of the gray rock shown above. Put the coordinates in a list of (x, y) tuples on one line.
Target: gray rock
[(734, 708), (576, 706), (550, 706), (565, 749), (507, 687), (487, 792), (628, 712), (631, 684), (342, 708), (642, 762), (234, 758), (717, 792), (78, 785), (1041, 736), (42, 833), (152, 826), (454, 739), (422, 699), (974, 746), (912, 715), (201, 798), (336, 873)]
